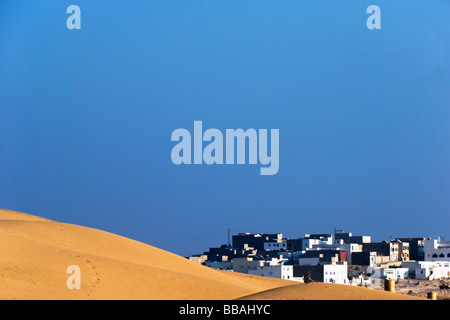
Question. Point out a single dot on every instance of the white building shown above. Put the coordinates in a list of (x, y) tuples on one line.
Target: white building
[(311, 241), (395, 273), (335, 272), (436, 250), (428, 270), (388, 273), (278, 271)]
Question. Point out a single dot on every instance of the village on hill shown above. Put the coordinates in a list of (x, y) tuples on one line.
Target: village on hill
[(416, 265)]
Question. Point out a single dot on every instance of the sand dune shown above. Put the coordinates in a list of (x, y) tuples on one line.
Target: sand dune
[(325, 291), (35, 253)]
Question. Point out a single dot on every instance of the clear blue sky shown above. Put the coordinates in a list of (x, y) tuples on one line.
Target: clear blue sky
[(364, 116)]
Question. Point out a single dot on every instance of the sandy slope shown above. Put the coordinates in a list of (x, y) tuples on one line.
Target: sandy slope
[(326, 291), (35, 254)]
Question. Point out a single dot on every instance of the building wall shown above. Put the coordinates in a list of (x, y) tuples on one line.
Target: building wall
[(199, 259), (329, 273), (416, 246), (315, 271), (245, 240), (222, 265), (403, 254), (275, 245), (435, 250), (308, 261), (349, 249), (280, 272), (242, 265), (428, 270), (294, 245), (390, 249), (382, 259), (335, 273), (395, 273), (364, 258)]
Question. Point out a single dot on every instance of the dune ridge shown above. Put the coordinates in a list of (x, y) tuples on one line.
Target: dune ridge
[(35, 253), (325, 291)]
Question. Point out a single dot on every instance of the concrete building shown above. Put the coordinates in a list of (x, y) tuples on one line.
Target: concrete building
[(428, 270), (200, 259), (436, 250), (367, 258), (294, 245), (403, 250), (226, 253), (383, 249), (244, 265), (348, 238), (416, 248), (350, 249), (275, 245), (321, 256), (280, 271), (316, 240), (311, 261), (255, 241), (388, 273), (221, 265), (335, 272)]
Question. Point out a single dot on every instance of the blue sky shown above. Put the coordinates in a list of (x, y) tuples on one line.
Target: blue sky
[(86, 116)]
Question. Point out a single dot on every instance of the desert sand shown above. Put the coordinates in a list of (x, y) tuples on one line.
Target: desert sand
[(325, 291), (35, 253)]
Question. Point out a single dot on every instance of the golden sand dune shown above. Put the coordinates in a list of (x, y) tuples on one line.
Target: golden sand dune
[(325, 291), (35, 254)]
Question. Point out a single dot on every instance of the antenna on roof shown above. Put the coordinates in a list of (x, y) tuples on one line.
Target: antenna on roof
[(229, 230)]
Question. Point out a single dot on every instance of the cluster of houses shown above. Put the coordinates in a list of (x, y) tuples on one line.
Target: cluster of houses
[(338, 257)]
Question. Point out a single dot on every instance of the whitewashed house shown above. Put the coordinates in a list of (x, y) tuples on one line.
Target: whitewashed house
[(436, 250), (428, 270), (279, 271), (335, 272), (388, 273)]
